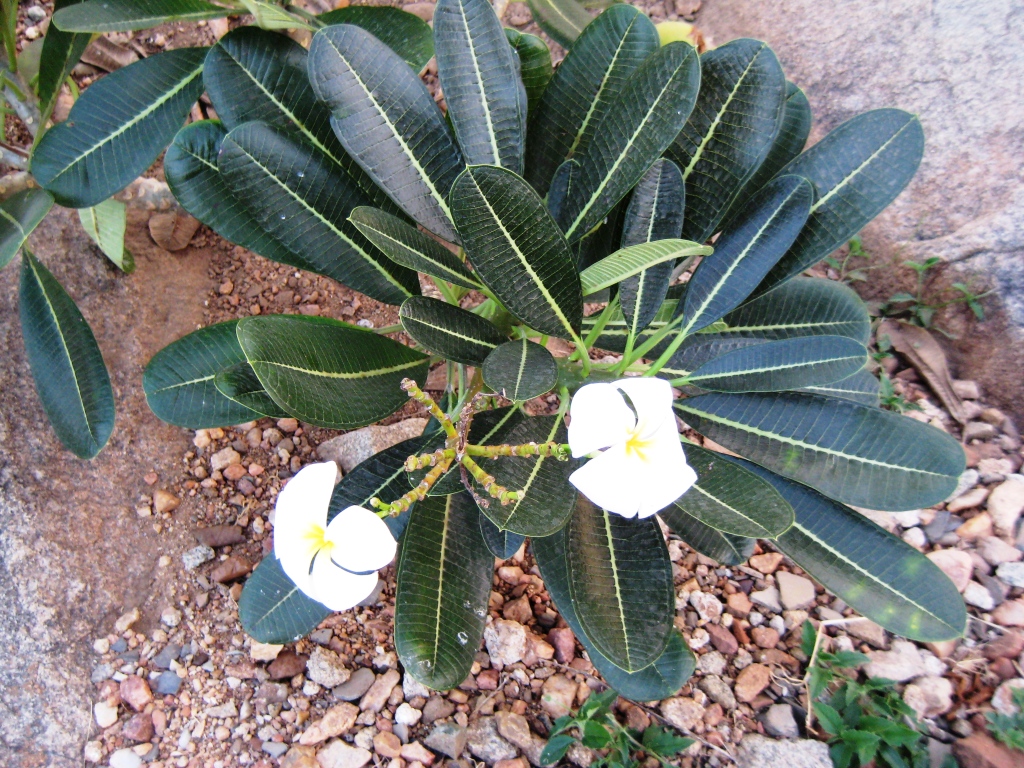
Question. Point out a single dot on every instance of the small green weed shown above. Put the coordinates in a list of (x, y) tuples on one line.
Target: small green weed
[(888, 397), (1009, 729), (847, 273), (920, 309)]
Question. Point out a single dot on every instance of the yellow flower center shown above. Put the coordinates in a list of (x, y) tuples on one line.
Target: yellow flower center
[(636, 445), (315, 539)]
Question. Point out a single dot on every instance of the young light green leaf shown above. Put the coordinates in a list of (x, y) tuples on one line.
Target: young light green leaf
[(633, 260), (479, 74), (851, 452), (179, 381), (501, 544), (129, 15), (857, 170), (405, 33), (60, 53), (66, 363), (640, 123), (108, 140), (520, 370), (450, 331), (620, 580), (613, 335), (303, 200), (563, 20), (406, 245), (534, 65), (583, 87), (517, 250), (273, 610), (444, 580), (726, 548), (326, 372), (20, 214), (269, 15), (239, 383), (386, 119), (861, 387), (106, 224), (730, 131), (752, 244)]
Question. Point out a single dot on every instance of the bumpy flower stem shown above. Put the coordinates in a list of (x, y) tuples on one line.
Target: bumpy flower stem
[(417, 394), (416, 494), (490, 485), (560, 451)]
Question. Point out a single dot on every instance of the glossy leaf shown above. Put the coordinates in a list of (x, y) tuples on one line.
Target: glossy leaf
[(517, 250), (660, 680), (638, 126), (534, 65), (67, 367), (583, 87), (725, 548), (633, 260), (273, 610), (520, 370), (406, 245), (128, 15), (861, 387), (179, 380), (444, 582), (857, 170), (405, 33), (20, 214), (479, 75), (754, 242), (450, 331), (699, 350), (730, 131), (620, 581), (303, 200), (239, 383), (501, 544), (106, 224), (326, 372), (108, 140), (851, 452), (563, 20), (387, 120), (60, 53)]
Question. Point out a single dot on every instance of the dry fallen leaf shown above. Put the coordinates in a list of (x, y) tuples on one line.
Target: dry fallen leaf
[(924, 353), (108, 55), (172, 230)]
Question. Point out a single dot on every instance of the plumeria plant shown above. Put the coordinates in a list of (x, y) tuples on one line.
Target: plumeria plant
[(623, 236)]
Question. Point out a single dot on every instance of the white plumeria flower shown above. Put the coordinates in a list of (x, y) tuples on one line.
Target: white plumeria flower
[(642, 468), (334, 564)]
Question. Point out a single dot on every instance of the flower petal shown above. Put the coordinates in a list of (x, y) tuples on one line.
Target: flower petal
[(361, 541), (665, 475), (301, 509), (600, 418), (609, 480), (652, 399), (336, 588)]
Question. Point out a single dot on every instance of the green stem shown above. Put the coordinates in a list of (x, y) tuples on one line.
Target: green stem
[(584, 351), (389, 329), (655, 339), (670, 350), (602, 321)]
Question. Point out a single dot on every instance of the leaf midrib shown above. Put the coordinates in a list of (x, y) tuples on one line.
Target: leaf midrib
[(480, 85), (765, 533), (338, 375), (449, 332), (618, 587), (773, 368)]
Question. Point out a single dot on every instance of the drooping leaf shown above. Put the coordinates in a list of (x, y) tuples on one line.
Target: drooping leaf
[(633, 260), (444, 581), (726, 548), (563, 20), (520, 370), (517, 250), (269, 15), (273, 610), (109, 140), (20, 214), (303, 200), (661, 679), (730, 131), (501, 544), (655, 212), (731, 500), (861, 387), (60, 53), (488, 428), (105, 224), (479, 74), (857, 170), (640, 123), (583, 87), (66, 363), (753, 243), (620, 581), (239, 383), (405, 33), (386, 119), (876, 573), (851, 452), (534, 65), (406, 245), (326, 372), (179, 380), (450, 331), (128, 15)]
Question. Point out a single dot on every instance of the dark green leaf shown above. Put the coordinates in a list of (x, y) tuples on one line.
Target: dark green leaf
[(273, 610), (326, 372), (450, 331), (20, 214), (638, 126), (563, 20), (854, 453), (66, 363), (556, 747), (109, 140), (517, 250), (520, 370), (699, 350), (239, 383), (583, 87), (61, 52), (633, 260), (534, 65), (829, 718), (620, 579), (861, 387), (501, 544), (595, 735), (730, 131), (387, 120), (444, 581), (405, 33), (663, 742), (857, 170), (726, 548), (479, 74), (303, 199), (127, 15)]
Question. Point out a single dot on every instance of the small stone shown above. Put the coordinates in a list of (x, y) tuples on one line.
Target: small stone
[(904, 662), (1002, 699), (751, 681), (979, 750), (263, 651), (235, 472), (168, 684), (868, 631), (222, 711), (970, 500), (795, 592), (386, 744), (505, 641), (437, 708), (219, 535), (708, 607), (197, 556), (139, 727), (164, 501), (338, 754), (711, 663), (448, 739), (170, 617), (558, 695), (224, 458), (1008, 645), (564, 643), (229, 570), (767, 563), (995, 551), (929, 696), (407, 715), (722, 639), (764, 637), (956, 564), (779, 722), (352, 448), (125, 621), (515, 729), (1011, 574), (125, 758), (682, 713), (135, 692), (377, 695), (287, 664), (487, 680), (105, 714), (356, 686), (978, 526), (757, 751), (1005, 504), (1009, 614), (519, 610), (300, 757), (485, 742), (915, 537), (167, 654), (767, 598), (978, 596), (978, 430), (414, 752), (326, 668), (718, 690), (274, 748), (336, 721), (93, 751), (739, 605)]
